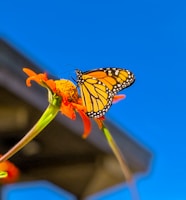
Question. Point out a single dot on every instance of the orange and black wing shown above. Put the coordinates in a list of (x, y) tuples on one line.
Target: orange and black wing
[(99, 86), (96, 96), (116, 79)]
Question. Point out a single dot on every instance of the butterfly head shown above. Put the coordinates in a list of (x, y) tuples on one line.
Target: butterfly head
[(78, 72)]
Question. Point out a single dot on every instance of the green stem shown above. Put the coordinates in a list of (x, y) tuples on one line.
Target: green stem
[(45, 119), (124, 167), (117, 153)]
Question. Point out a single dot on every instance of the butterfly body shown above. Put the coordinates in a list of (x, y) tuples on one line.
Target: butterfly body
[(98, 88)]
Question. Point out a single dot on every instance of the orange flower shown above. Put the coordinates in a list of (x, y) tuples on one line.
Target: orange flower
[(67, 91), (11, 169)]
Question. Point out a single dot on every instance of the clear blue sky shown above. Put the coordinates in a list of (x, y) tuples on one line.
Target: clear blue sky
[(149, 38)]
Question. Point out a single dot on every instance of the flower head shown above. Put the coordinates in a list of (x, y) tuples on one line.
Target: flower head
[(66, 91)]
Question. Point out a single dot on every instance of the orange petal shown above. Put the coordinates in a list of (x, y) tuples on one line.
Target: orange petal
[(99, 121), (29, 72), (51, 84), (39, 78), (79, 106), (86, 122), (68, 111), (118, 98)]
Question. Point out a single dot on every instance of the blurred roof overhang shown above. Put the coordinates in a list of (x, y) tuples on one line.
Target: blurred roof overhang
[(58, 154)]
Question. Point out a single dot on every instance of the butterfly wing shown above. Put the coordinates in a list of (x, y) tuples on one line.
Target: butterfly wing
[(96, 96), (116, 79), (99, 86)]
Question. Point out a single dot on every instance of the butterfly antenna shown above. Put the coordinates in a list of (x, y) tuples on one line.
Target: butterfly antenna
[(73, 79)]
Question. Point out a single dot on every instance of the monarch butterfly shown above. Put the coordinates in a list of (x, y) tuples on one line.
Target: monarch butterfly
[(98, 88)]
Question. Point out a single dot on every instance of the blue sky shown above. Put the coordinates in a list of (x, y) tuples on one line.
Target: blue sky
[(149, 38)]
